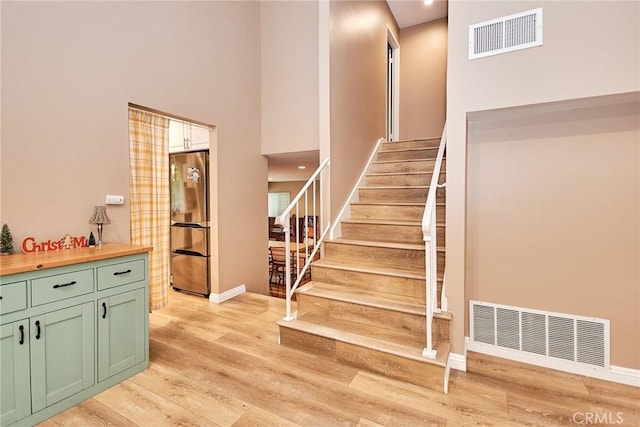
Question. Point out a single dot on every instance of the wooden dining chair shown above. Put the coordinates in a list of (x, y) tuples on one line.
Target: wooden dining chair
[(278, 264)]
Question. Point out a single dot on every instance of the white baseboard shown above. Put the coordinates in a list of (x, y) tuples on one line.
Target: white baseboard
[(626, 376), (227, 295), (614, 374), (458, 362)]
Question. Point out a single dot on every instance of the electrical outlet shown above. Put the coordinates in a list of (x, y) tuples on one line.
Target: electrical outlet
[(114, 200)]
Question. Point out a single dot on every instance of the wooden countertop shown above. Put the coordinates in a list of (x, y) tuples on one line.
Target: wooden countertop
[(21, 263)]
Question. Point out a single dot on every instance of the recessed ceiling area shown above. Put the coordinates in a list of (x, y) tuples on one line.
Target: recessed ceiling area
[(414, 12), (285, 166)]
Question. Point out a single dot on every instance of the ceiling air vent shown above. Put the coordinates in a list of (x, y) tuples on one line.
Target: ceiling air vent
[(506, 34)]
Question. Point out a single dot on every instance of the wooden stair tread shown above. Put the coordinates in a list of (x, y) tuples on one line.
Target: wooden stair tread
[(393, 187), (393, 302), (393, 245), (393, 203), (386, 271), (409, 352), (397, 203), (397, 150), (433, 138), (397, 173), (402, 161), (387, 222), (381, 221)]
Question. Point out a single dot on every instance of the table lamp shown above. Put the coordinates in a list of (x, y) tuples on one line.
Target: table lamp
[(99, 217)]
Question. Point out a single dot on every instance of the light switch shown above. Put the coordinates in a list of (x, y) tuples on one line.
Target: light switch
[(114, 200)]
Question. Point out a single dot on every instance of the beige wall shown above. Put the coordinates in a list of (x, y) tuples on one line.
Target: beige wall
[(423, 79), (590, 49), (553, 219), (358, 64), (69, 69), (289, 32)]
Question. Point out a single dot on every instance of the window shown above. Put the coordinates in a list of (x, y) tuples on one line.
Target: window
[(278, 202)]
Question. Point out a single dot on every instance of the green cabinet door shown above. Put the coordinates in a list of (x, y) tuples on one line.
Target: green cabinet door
[(121, 333), (62, 354), (15, 392)]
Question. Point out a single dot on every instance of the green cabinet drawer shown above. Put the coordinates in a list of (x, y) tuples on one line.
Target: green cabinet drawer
[(119, 274), (13, 297), (61, 286)]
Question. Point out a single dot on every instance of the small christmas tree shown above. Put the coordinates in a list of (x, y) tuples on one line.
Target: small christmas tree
[(6, 241)]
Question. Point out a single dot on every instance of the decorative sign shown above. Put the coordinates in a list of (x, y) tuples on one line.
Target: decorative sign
[(29, 244)]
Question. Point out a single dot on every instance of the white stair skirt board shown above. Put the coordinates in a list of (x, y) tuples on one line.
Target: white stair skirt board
[(458, 362), (614, 374), (227, 295)]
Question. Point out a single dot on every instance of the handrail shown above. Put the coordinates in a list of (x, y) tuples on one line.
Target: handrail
[(429, 233), (285, 221), (355, 188)]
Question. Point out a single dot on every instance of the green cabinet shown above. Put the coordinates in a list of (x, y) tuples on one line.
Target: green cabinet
[(62, 354), (70, 332), (15, 385), (121, 343)]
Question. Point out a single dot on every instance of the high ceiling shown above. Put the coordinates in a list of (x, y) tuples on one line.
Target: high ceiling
[(414, 12), (284, 167)]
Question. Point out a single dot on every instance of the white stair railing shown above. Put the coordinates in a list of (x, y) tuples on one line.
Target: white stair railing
[(429, 231), (310, 244)]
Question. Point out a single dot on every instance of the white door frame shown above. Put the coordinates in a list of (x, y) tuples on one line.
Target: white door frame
[(393, 95)]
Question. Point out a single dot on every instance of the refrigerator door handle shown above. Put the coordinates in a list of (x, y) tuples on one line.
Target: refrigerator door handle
[(186, 252), (190, 224)]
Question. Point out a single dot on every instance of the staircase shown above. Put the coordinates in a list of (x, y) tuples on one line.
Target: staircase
[(366, 303)]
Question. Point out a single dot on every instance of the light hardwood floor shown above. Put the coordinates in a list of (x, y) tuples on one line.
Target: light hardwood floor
[(221, 365)]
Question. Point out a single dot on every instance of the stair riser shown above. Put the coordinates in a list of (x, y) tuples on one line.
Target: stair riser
[(410, 213), (402, 167), (392, 366), (397, 195), (399, 155), (400, 326), (388, 233), (403, 179), (399, 180), (371, 281), (419, 373), (407, 145), (401, 259)]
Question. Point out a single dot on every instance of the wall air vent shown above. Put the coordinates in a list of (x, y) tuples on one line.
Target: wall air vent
[(539, 337), (506, 34)]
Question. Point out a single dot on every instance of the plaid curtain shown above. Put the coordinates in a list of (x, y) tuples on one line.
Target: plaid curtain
[(149, 199)]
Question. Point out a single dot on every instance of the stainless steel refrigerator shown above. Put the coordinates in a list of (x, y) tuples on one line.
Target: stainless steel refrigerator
[(188, 180)]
